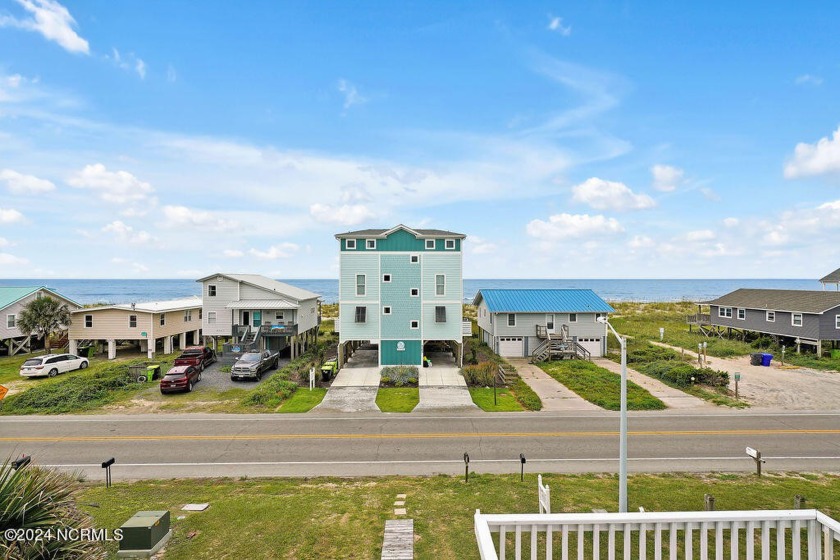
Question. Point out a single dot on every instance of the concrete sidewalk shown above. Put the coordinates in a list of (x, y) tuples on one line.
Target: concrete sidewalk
[(673, 398), (555, 396)]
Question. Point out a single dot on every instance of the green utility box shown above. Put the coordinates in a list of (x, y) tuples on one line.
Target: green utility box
[(144, 534)]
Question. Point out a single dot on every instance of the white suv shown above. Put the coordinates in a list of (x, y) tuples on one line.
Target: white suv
[(52, 365)]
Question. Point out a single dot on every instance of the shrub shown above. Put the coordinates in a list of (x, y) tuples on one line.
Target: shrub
[(481, 374), (524, 394), (680, 373), (400, 376)]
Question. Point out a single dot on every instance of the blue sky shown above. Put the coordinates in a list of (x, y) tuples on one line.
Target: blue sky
[(567, 140)]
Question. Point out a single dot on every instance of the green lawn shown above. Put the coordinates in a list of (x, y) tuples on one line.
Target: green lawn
[(397, 399), (506, 402), (318, 518), (600, 386), (303, 400)]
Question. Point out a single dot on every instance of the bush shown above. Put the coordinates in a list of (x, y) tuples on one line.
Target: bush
[(524, 394), (280, 386), (480, 375), (680, 373), (400, 376)]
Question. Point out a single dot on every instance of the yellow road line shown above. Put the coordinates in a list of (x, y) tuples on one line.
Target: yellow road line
[(453, 435)]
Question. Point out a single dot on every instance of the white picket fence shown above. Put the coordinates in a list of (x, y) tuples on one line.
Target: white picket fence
[(543, 495), (783, 534)]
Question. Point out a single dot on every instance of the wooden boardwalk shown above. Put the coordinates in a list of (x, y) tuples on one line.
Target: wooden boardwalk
[(399, 540)]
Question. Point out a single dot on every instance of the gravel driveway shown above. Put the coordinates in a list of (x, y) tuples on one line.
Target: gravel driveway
[(212, 379)]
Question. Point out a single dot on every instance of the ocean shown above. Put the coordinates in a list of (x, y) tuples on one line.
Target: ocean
[(134, 291)]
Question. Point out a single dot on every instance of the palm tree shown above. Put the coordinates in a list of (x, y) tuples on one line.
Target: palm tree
[(38, 498), (43, 316)]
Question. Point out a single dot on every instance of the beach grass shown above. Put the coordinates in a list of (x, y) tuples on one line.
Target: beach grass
[(303, 400), (599, 385), (397, 399), (344, 518), (505, 400)]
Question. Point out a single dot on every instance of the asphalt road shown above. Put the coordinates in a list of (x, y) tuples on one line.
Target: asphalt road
[(196, 445)]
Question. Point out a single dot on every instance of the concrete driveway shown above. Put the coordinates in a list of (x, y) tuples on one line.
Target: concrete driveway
[(354, 388), (442, 387)]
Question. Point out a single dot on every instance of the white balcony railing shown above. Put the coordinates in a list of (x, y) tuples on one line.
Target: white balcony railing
[(783, 534)]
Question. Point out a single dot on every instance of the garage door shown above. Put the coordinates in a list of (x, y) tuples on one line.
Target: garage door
[(593, 345), (511, 346)]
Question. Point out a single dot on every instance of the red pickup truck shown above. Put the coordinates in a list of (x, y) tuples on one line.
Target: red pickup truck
[(197, 356)]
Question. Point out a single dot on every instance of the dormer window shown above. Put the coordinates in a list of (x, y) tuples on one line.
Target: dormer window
[(430, 244)]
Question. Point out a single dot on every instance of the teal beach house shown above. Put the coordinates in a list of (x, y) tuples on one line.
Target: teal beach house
[(400, 289)]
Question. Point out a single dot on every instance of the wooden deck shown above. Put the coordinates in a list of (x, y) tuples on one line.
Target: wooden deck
[(399, 540)]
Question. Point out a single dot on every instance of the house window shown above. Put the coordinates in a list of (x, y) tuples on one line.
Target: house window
[(430, 244), (386, 277), (350, 243), (162, 319), (386, 310), (360, 284), (10, 321), (837, 321), (200, 314), (278, 315), (188, 315), (450, 244), (361, 314), (796, 319), (132, 321), (598, 316), (742, 314), (511, 319), (440, 314), (211, 290), (440, 284), (88, 321), (415, 324), (573, 317), (415, 292), (725, 312), (770, 316), (415, 259), (211, 317), (370, 244)]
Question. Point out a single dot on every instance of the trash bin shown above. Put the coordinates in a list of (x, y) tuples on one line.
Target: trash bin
[(765, 359), (152, 372), (755, 359)]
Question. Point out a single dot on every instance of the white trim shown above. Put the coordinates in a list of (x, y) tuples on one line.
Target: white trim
[(571, 319), (370, 244), (411, 324), (86, 321), (509, 315), (727, 315), (444, 285), (356, 279), (347, 243), (130, 317), (215, 291), (14, 321), (414, 258), (211, 317), (388, 280), (837, 321), (738, 312), (162, 319), (446, 246), (793, 317), (433, 242), (767, 316), (412, 290), (386, 309), (355, 314)]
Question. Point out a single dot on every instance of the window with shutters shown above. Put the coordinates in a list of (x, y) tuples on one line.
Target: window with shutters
[(361, 314), (440, 314)]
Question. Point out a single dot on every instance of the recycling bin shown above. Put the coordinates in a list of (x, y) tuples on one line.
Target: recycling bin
[(756, 358), (765, 359)]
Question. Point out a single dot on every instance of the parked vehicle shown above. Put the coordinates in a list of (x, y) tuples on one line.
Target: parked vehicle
[(52, 364), (253, 364), (197, 356), (180, 378)]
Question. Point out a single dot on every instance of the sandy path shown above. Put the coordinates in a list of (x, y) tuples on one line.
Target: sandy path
[(775, 386)]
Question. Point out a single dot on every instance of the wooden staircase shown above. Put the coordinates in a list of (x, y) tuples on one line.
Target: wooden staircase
[(558, 346)]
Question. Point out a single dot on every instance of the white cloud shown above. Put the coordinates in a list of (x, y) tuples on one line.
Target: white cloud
[(480, 246), (118, 187), (556, 24), (572, 226), (808, 80), (5, 242), (822, 158), (7, 259), (346, 214), (232, 253), (19, 183), (50, 19), (610, 195), (710, 194), (171, 74), (281, 251), (666, 177), (10, 216), (128, 62), (184, 217), (641, 242), (700, 235), (127, 234), (731, 222), (351, 94)]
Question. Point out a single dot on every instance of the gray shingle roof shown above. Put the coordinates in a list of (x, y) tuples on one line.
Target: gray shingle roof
[(805, 301), (833, 277), (362, 233)]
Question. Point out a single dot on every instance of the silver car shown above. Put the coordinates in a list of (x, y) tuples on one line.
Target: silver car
[(52, 364)]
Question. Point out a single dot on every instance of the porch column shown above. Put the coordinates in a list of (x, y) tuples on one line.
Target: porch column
[(167, 344), (144, 345), (196, 337), (340, 355), (112, 348), (819, 349), (294, 347), (74, 346), (150, 348)]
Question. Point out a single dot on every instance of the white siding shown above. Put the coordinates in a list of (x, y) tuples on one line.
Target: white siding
[(227, 290), (307, 315), (351, 330), (450, 330), (448, 264)]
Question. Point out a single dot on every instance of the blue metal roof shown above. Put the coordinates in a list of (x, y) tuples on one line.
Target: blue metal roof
[(543, 301)]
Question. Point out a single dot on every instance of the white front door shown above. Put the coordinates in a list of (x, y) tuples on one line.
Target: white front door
[(549, 323), (511, 346)]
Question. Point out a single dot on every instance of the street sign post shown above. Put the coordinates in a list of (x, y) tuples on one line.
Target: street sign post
[(737, 379), (3, 391)]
